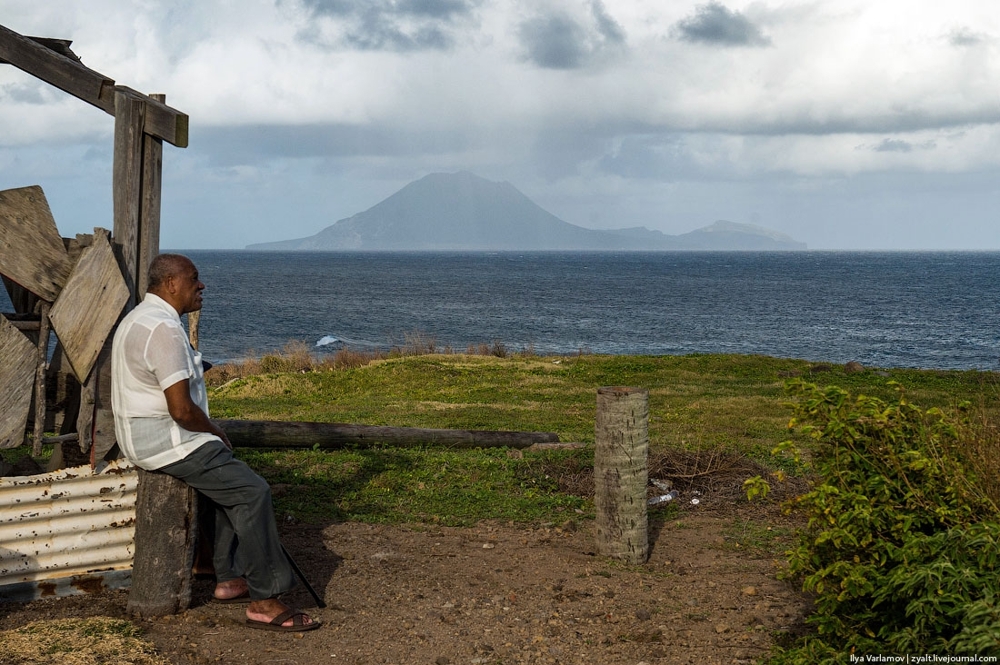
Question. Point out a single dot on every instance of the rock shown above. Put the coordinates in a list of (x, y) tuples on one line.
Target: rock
[(722, 628), (643, 615), (442, 660), (853, 367), (749, 591)]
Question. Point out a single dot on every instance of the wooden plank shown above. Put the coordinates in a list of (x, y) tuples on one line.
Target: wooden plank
[(57, 69), (40, 366), (31, 251), (104, 418), (127, 186), (89, 305), (282, 434), (17, 376)]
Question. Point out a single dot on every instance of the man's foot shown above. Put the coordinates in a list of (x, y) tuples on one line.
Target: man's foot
[(272, 614), (232, 591)]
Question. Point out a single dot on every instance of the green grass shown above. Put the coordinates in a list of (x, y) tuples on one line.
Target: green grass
[(698, 402), (421, 485)]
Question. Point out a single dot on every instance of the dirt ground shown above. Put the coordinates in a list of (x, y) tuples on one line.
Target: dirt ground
[(500, 593)]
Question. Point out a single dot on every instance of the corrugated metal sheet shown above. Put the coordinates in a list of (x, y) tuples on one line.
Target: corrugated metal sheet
[(66, 532)]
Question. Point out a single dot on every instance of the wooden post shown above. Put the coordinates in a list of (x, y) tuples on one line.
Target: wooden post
[(165, 534), (194, 318), (149, 213), (127, 198), (621, 472)]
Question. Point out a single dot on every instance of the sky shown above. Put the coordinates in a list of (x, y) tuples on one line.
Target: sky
[(846, 124)]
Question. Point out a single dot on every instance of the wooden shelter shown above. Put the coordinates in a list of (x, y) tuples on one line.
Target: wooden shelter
[(79, 288)]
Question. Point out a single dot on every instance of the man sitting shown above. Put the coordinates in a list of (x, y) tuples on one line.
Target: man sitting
[(162, 424)]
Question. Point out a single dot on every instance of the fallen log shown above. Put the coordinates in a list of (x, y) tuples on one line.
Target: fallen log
[(331, 436)]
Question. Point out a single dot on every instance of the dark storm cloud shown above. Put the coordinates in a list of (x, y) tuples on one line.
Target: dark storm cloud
[(560, 41), (715, 24), (391, 25), (554, 42)]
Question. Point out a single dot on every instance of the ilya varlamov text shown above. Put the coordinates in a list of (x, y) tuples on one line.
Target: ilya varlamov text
[(921, 659)]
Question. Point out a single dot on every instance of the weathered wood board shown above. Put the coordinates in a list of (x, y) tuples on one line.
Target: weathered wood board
[(17, 380), (89, 305), (31, 251)]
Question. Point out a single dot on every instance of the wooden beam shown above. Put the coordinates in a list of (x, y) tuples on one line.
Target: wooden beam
[(161, 121), (52, 61), (331, 436), (60, 46), (57, 69)]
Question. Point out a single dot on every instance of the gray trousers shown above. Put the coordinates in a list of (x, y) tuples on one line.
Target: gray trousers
[(246, 535)]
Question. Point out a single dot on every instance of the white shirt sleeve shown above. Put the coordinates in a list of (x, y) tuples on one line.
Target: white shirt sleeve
[(167, 355)]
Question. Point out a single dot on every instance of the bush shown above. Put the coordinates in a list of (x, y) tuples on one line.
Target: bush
[(902, 543)]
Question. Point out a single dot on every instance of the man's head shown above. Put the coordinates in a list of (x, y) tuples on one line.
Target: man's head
[(174, 278)]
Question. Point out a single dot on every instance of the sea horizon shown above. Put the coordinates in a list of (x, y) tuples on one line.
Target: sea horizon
[(924, 309)]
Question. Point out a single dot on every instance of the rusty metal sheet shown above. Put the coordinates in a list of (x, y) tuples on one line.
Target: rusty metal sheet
[(31, 251), (17, 381), (69, 531), (88, 306)]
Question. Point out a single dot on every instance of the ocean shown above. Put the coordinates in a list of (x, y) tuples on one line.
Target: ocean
[(924, 310)]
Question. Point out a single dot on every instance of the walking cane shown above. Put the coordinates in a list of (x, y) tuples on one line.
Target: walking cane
[(312, 592)]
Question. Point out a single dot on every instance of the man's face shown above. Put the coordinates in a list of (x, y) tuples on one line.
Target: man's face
[(189, 288)]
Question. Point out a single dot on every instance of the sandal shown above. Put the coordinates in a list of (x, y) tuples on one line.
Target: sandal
[(275, 624)]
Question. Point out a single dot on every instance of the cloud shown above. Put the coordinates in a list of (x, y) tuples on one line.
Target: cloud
[(713, 23), (965, 36), (893, 145), (387, 25), (558, 40), (898, 145), (609, 29)]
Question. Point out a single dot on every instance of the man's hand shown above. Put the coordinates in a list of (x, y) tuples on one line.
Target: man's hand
[(189, 415)]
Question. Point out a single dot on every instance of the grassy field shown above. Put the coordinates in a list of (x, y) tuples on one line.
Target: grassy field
[(698, 404)]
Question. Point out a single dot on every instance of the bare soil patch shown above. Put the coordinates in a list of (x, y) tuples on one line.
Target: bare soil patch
[(502, 593)]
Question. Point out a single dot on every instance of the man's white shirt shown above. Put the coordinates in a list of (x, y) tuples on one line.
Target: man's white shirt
[(149, 354)]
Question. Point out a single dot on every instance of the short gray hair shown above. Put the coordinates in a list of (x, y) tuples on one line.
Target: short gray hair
[(164, 266)]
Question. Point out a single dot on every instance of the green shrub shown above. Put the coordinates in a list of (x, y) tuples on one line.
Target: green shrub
[(902, 545)]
